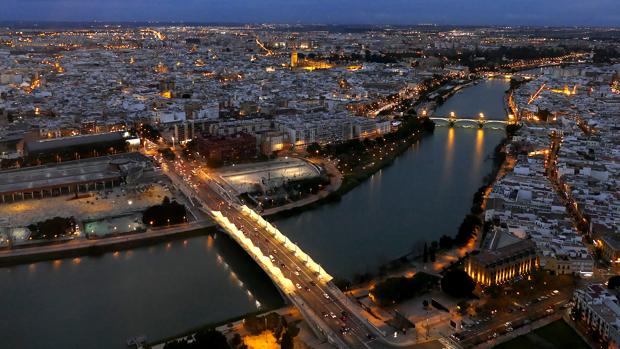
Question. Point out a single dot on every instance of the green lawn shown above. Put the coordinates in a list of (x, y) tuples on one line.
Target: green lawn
[(556, 335)]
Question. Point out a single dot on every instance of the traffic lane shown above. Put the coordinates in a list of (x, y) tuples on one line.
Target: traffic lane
[(243, 221), (313, 296), (270, 244), (332, 305), (498, 324)]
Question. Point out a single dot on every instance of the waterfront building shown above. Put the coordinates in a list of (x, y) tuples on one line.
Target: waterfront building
[(496, 266)]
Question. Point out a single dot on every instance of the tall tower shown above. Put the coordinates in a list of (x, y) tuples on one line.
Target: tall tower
[(294, 57)]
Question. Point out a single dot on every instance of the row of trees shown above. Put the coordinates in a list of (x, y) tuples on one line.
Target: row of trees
[(397, 289), (430, 253), (52, 228), (457, 283), (468, 229), (169, 212)]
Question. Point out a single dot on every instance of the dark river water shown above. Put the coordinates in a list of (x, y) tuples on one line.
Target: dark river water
[(161, 290)]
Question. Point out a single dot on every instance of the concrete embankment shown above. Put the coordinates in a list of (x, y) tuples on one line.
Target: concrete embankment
[(83, 247)]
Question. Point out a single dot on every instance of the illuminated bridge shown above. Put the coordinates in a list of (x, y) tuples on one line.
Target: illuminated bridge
[(481, 121), (300, 279)]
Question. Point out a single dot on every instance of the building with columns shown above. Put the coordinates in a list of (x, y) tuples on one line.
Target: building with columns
[(496, 266)]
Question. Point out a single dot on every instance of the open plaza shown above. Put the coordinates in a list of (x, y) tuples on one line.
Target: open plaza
[(268, 175)]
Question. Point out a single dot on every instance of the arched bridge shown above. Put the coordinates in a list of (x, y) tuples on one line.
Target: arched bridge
[(303, 281), (480, 121)]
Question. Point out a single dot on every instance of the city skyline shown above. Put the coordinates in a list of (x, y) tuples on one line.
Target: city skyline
[(399, 12)]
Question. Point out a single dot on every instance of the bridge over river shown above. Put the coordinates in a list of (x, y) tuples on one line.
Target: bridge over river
[(331, 314), (468, 121)]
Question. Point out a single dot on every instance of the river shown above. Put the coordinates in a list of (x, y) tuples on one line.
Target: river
[(161, 290)]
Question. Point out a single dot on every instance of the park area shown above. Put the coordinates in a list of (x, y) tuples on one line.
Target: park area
[(556, 335)]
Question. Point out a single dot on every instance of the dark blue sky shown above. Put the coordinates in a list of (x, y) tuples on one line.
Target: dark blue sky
[(460, 12)]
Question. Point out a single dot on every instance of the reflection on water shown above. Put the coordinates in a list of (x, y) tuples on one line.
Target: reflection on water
[(449, 154), (423, 195), (165, 289), (158, 291), (478, 155)]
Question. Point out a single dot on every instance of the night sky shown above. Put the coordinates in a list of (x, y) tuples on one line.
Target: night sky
[(458, 12)]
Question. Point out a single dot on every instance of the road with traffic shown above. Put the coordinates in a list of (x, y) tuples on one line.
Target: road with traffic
[(333, 311)]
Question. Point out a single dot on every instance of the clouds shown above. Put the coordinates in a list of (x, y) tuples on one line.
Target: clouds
[(461, 12)]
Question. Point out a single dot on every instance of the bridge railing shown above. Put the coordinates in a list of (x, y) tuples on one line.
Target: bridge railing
[(285, 284), (295, 250)]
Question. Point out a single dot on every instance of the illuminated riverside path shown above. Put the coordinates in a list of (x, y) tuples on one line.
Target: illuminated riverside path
[(160, 291)]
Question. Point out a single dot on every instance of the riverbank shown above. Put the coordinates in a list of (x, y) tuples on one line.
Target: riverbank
[(339, 185), (449, 249), (83, 247)]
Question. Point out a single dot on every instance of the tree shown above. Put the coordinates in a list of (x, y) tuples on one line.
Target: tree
[(314, 148), (287, 341), (445, 242), (169, 212), (52, 228), (471, 223), (457, 283), (432, 250), (396, 289), (236, 340), (292, 330), (512, 129), (613, 282), (211, 339), (425, 254)]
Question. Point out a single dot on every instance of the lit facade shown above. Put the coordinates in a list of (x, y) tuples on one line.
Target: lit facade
[(492, 267), (294, 58)]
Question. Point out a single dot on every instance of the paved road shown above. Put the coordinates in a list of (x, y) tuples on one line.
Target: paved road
[(483, 332), (315, 295), (332, 309)]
